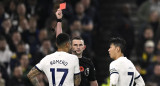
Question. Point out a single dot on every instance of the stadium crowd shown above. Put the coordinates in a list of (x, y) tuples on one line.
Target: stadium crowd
[(26, 36)]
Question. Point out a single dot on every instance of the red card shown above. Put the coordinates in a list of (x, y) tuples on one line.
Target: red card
[(62, 6)]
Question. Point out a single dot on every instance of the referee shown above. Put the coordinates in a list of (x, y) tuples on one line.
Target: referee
[(86, 66)]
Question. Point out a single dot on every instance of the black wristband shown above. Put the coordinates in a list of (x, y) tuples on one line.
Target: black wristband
[(59, 20)]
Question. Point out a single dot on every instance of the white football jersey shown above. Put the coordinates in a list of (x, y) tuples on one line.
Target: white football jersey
[(59, 68), (124, 73)]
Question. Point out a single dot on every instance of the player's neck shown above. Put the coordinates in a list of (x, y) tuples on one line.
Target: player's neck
[(119, 55), (63, 49), (79, 56)]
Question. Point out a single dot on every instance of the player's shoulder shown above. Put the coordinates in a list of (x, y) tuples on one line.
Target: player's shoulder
[(49, 56), (113, 63), (71, 55), (87, 59)]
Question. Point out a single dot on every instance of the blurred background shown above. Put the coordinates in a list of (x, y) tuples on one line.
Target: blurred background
[(26, 36)]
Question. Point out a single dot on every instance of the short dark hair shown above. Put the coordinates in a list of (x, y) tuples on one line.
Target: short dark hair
[(118, 42), (2, 38), (77, 38), (62, 38)]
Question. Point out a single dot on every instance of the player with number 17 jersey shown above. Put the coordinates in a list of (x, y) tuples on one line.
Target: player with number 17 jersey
[(59, 68)]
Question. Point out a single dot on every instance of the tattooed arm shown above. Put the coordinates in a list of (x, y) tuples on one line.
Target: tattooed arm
[(77, 79), (32, 76)]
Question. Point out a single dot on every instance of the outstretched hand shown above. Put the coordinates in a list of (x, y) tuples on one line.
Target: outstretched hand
[(59, 14)]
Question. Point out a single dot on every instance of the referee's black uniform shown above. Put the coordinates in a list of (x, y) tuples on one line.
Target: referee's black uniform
[(87, 71)]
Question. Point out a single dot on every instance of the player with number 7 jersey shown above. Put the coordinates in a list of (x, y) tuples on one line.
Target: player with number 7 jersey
[(122, 70)]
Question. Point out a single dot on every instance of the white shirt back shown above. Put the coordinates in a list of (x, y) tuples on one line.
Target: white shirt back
[(59, 68), (123, 72)]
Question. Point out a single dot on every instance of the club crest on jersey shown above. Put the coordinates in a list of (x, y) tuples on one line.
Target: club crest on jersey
[(86, 72), (113, 70)]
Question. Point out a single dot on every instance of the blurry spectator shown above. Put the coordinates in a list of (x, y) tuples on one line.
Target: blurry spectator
[(31, 36), (15, 39), (147, 57), (24, 63), (87, 23), (21, 49), (76, 26), (157, 34), (158, 46), (2, 81), (147, 34), (153, 21), (23, 25), (21, 10), (17, 78), (4, 74), (155, 78), (33, 24), (150, 69), (6, 25), (44, 11), (5, 53), (12, 9), (146, 8), (45, 49), (43, 34), (32, 7), (75, 34), (6, 29), (124, 27), (91, 11), (3, 14)]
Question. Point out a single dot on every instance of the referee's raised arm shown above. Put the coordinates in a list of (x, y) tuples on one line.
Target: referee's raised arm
[(59, 16)]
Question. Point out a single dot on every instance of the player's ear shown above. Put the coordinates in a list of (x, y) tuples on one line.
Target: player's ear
[(118, 49), (84, 47), (67, 44)]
